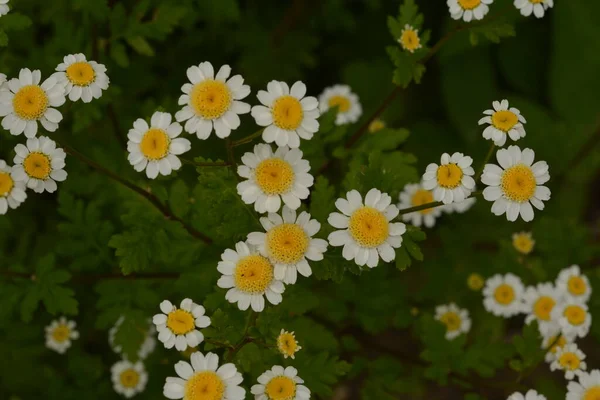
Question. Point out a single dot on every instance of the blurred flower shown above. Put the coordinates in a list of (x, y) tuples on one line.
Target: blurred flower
[(573, 317), (60, 333), (468, 9), (414, 195), (376, 125), (574, 284), (523, 242), (12, 193), (4, 7), (538, 7), (475, 282), (129, 378), (538, 303), (341, 96), (455, 319), (588, 387), (553, 342), (147, 346), (530, 395), (503, 295), (569, 359)]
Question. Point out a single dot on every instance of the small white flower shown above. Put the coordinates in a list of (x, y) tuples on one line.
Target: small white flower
[(460, 207), (129, 378), (287, 344), (274, 176), (4, 7), (503, 121), (27, 102), (349, 108), (553, 342), (287, 113), (409, 39), (455, 319), (12, 193), (212, 101), (538, 303), (503, 295), (569, 359), (523, 242), (177, 326), (146, 347), (452, 180), (530, 395), (288, 242), (39, 164), (588, 387), (573, 317), (537, 7), (516, 184), (155, 148), (574, 284), (250, 277), (367, 232), (204, 379), (59, 334), (279, 383), (469, 9), (82, 79), (414, 195)]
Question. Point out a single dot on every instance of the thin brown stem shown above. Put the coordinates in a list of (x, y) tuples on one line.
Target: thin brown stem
[(487, 158), (204, 164), (421, 207), (248, 138), (251, 321)]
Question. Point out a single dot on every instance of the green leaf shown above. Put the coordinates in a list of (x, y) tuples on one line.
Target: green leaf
[(141, 46), (179, 198), (119, 54), (13, 21), (131, 333), (322, 202), (493, 31)]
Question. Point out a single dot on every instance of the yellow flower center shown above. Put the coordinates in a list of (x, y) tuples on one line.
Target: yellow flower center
[(210, 99), (253, 274), (576, 284), (543, 307), (523, 243), (274, 176), (180, 322), (281, 388), (475, 282), (204, 386), (469, 4), (559, 343), (569, 361), (449, 176), (287, 113), (376, 125), (369, 227), (155, 144), (287, 344), (592, 393), (6, 184), (410, 40), (30, 102), (518, 183), (81, 74), (504, 294), (421, 197), (61, 333), (536, 1), (575, 314), (451, 320), (37, 165), (129, 378), (504, 120), (342, 102), (287, 243)]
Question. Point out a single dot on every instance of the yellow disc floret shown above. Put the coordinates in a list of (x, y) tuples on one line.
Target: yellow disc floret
[(558, 343), (37, 165), (368, 227), (543, 307), (30, 102), (253, 274), (449, 176), (575, 314), (180, 322), (421, 197), (155, 144), (592, 393), (287, 344), (129, 378), (287, 243), (81, 74), (204, 386), (518, 183), (410, 40), (523, 243), (452, 321), (569, 361), (504, 120), (469, 4), (6, 184), (576, 284), (504, 294), (274, 176), (287, 113), (210, 99), (342, 102), (281, 388), (376, 125), (61, 333), (475, 282)]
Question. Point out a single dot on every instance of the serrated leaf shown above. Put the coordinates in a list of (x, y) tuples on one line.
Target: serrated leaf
[(141, 45)]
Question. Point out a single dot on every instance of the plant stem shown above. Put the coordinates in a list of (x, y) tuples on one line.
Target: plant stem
[(250, 322), (248, 138), (487, 158), (204, 164), (421, 207)]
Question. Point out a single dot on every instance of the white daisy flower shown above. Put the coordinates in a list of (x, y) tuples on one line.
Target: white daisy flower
[(503, 121), (155, 148), (538, 303), (523, 242), (414, 195), (530, 395), (278, 383), (588, 387), (553, 342), (455, 319), (288, 242), (204, 379), (287, 344), (516, 184), (146, 347), (573, 317), (177, 326), (129, 378), (574, 284), (39, 164), (287, 114), (12, 193), (4, 7), (367, 232), (537, 7), (452, 180), (82, 79), (60, 333), (503, 295), (569, 359), (459, 207), (27, 102), (409, 39), (249, 276), (349, 108), (273, 177), (212, 101), (468, 9)]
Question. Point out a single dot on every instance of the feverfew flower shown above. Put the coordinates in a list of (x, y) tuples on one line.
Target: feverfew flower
[(516, 184), (27, 102), (272, 177), (12, 193), (129, 378), (204, 379), (538, 7), (212, 101), (503, 295), (460, 207), (468, 9), (4, 7), (475, 282), (287, 113), (503, 121), (147, 346), (588, 387), (552, 344), (538, 303), (409, 39), (288, 242), (530, 395), (249, 276), (177, 326), (452, 180), (455, 319), (349, 108), (573, 317), (39, 164), (287, 344), (376, 125), (59, 334), (523, 242), (82, 79), (367, 232), (280, 384), (414, 195), (569, 359), (574, 284)]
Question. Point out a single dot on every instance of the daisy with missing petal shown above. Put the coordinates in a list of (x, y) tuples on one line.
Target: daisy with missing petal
[(287, 344), (537, 7), (452, 180), (530, 395), (503, 121), (278, 383), (468, 9), (523, 242), (503, 295), (27, 102), (288, 243), (212, 101), (588, 387), (516, 184), (250, 277), (4, 7), (39, 164), (155, 148), (409, 39), (367, 232), (574, 318), (177, 326), (59, 335), (554, 342), (129, 378), (287, 113), (574, 284), (341, 96), (205, 380), (273, 177), (413, 195), (82, 79), (569, 359), (12, 193), (455, 319), (538, 303)]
